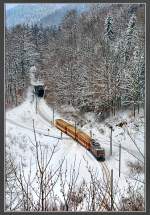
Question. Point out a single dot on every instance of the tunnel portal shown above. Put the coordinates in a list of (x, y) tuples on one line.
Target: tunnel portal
[(39, 90)]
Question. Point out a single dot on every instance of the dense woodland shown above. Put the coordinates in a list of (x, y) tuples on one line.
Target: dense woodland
[(93, 61)]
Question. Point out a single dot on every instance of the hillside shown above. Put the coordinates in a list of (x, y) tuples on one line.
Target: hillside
[(46, 14), (77, 161), (56, 17), (89, 71)]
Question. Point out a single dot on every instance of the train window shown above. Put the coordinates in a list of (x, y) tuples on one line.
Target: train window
[(99, 152), (85, 143), (58, 123), (72, 132), (82, 138), (96, 144), (71, 129), (61, 125), (98, 149)]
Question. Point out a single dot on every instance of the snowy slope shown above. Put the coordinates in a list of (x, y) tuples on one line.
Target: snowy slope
[(20, 140)]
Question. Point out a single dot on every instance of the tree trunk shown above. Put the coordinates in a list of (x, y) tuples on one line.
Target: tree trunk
[(138, 108), (134, 108), (112, 106)]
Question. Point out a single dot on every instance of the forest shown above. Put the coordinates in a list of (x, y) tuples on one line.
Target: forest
[(94, 61)]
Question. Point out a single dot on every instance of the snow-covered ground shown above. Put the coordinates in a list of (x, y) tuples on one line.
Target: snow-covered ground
[(20, 140)]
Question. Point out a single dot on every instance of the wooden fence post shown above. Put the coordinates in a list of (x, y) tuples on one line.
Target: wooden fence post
[(53, 115), (111, 196), (119, 159), (75, 129), (36, 103), (91, 133), (111, 140)]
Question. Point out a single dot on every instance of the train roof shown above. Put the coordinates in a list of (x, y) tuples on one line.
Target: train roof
[(73, 127)]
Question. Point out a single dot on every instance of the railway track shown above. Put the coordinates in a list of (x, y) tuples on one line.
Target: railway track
[(43, 115), (131, 152), (106, 186), (31, 129)]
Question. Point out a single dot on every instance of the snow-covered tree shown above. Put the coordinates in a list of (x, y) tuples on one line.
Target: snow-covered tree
[(109, 27), (133, 65)]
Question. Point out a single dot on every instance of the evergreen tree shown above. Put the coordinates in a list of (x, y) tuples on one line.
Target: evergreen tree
[(109, 27)]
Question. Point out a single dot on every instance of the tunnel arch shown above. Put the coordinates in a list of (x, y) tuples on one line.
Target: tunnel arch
[(39, 90)]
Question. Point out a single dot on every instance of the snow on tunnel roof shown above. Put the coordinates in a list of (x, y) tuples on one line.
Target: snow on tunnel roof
[(37, 83)]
